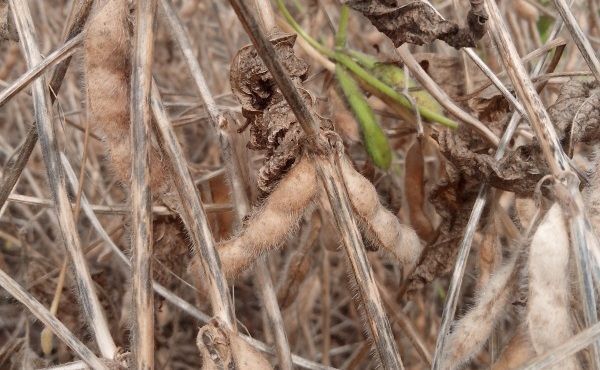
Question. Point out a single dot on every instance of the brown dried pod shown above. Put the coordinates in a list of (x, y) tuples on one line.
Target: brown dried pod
[(414, 187)]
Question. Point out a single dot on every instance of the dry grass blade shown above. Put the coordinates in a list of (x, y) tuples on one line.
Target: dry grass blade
[(88, 298), (141, 198), (567, 185), (193, 215), (45, 316), (331, 178)]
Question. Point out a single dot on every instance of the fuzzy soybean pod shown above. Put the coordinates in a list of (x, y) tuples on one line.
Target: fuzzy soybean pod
[(471, 332), (548, 320), (270, 225), (377, 223), (374, 139), (107, 67)]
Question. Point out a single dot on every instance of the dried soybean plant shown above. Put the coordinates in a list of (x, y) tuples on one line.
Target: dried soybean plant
[(324, 194)]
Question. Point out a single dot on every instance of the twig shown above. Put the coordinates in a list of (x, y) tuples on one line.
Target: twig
[(45, 316), (583, 44), (193, 215), (88, 298), (141, 197), (441, 96), (572, 345), (111, 209), (57, 56), (328, 171)]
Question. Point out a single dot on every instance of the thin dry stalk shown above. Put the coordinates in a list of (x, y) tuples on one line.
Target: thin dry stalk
[(467, 239), (328, 171), (219, 123), (45, 316), (141, 197), (558, 354), (433, 88), (57, 56), (567, 184), (87, 295), (583, 44), (193, 215)]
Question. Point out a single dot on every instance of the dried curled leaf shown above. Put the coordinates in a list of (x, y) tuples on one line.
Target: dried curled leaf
[(576, 112), (518, 171), (417, 22), (273, 125)]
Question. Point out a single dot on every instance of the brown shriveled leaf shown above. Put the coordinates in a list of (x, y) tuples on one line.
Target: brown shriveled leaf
[(576, 112), (453, 198), (417, 22), (273, 125), (518, 171)]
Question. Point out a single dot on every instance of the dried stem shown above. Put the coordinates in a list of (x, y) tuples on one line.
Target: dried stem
[(57, 56), (141, 198), (328, 171), (573, 345), (88, 298), (193, 215), (583, 44)]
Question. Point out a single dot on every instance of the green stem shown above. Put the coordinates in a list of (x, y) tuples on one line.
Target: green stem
[(342, 33), (360, 72), (364, 75)]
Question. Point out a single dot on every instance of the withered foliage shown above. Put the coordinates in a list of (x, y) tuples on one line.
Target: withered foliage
[(273, 125), (417, 22)]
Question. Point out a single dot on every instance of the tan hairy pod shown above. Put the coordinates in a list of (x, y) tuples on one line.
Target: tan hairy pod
[(274, 221), (223, 349), (471, 332), (548, 319), (107, 66), (516, 352), (380, 225), (414, 187)]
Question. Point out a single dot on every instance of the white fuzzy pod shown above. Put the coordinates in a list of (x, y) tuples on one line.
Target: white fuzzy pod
[(548, 320), (471, 332), (378, 223)]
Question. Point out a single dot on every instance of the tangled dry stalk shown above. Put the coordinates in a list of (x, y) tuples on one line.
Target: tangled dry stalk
[(283, 184)]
